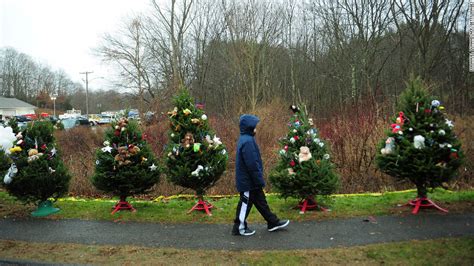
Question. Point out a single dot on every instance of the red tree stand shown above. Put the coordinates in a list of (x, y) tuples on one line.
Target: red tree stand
[(202, 205), (423, 203), (123, 205), (309, 204)]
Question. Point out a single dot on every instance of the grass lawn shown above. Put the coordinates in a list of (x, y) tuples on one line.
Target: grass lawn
[(174, 209), (455, 251)]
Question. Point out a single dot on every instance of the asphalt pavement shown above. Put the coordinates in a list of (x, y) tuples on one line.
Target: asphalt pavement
[(298, 235)]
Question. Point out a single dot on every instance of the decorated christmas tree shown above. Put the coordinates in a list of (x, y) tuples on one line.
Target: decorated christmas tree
[(125, 165), (37, 172), (305, 169), (195, 156), (421, 145)]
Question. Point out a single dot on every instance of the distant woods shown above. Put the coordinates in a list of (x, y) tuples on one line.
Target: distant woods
[(237, 55)]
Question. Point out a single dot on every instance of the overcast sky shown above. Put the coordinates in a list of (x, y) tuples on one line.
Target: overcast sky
[(61, 33)]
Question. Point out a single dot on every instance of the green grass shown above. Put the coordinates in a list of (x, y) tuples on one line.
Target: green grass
[(174, 210), (454, 251)]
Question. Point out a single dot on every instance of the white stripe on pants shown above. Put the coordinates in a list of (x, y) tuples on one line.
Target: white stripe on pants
[(243, 212)]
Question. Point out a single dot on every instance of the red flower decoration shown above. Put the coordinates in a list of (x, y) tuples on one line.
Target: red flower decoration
[(292, 163)]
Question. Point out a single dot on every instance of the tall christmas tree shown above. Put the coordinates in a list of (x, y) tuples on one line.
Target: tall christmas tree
[(196, 157), (37, 172), (305, 169), (125, 166), (421, 145)]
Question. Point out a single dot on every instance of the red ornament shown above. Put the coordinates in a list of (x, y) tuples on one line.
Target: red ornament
[(296, 137), (144, 137), (427, 111), (43, 147), (454, 155), (285, 148), (292, 163), (117, 133)]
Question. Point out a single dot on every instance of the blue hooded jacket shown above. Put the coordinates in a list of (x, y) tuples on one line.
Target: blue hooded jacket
[(248, 162)]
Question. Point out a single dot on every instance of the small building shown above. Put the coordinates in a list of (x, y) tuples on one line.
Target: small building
[(13, 106)]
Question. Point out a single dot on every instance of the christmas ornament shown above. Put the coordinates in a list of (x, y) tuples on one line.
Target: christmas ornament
[(282, 152), (107, 149), (51, 170), (12, 171), (304, 154), (217, 141), (449, 123), (204, 117), (441, 132), (188, 140), (295, 109), (292, 163), (435, 104), (292, 140), (285, 148), (197, 171), (389, 146), (7, 137), (291, 171), (419, 142), (186, 111), (174, 112), (195, 121), (321, 144), (310, 122), (196, 147), (153, 167)]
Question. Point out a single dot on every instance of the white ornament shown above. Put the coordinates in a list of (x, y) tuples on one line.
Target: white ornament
[(198, 169), (410, 129), (204, 117), (107, 149), (123, 129), (449, 123), (419, 142), (316, 140), (292, 140), (97, 162), (435, 103), (294, 130), (389, 146), (217, 141), (209, 140), (51, 170), (321, 144), (117, 127), (282, 152), (172, 135), (10, 174), (400, 132), (7, 137), (441, 132), (224, 152), (326, 156), (106, 143), (153, 167)]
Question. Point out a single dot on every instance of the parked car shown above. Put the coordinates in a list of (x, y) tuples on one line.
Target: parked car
[(104, 119), (72, 122)]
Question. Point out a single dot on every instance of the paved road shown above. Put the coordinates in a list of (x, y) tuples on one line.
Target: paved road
[(301, 235)]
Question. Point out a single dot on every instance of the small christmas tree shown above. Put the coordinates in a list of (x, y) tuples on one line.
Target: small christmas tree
[(305, 169), (421, 145), (196, 158), (125, 166), (37, 172)]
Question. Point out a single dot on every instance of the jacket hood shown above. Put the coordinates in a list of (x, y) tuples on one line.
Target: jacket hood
[(248, 123)]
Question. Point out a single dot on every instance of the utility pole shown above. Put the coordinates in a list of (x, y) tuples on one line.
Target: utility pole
[(87, 90)]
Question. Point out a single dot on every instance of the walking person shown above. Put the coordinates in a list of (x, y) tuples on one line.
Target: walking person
[(250, 182)]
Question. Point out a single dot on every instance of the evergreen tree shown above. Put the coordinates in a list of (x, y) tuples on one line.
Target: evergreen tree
[(421, 146), (125, 166), (13, 123), (305, 169), (37, 172), (196, 158)]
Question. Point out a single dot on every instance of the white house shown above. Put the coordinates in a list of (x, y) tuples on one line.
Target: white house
[(13, 106)]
